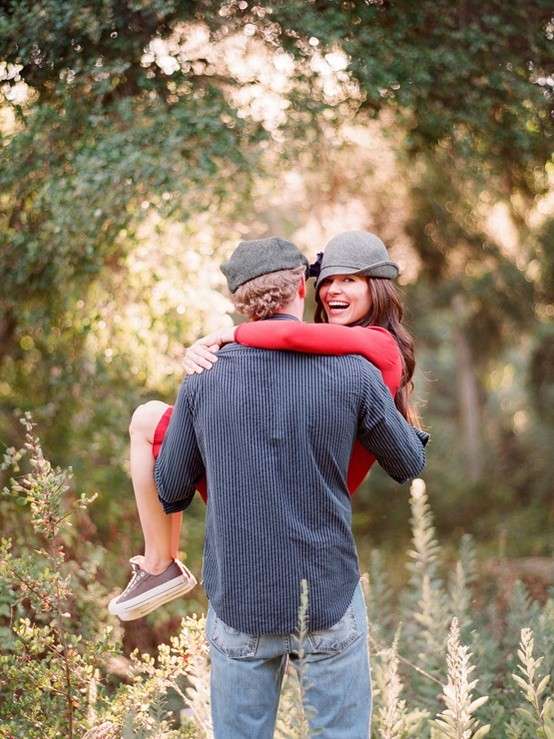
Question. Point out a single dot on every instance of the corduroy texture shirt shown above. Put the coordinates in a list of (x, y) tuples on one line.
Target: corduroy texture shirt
[(274, 431)]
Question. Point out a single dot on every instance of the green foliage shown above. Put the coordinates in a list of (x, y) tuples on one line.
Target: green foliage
[(180, 668), (457, 77), (436, 622), (54, 647), (58, 646), (104, 137)]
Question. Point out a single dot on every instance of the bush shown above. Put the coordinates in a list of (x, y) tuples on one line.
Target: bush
[(442, 668)]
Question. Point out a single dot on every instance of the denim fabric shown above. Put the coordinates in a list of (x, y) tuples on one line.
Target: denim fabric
[(247, 673)]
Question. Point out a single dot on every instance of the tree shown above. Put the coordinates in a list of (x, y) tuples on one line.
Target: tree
[(107, 129)]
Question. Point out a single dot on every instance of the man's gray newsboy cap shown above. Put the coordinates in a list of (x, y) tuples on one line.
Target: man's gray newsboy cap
[(260, 257), (357, 253)]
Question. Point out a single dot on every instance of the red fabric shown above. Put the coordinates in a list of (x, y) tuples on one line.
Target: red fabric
[(159, 432), (373, 343), (157, 441)]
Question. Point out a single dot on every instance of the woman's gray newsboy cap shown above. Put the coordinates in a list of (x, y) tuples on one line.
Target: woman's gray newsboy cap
[(260, 257), (357, 253)]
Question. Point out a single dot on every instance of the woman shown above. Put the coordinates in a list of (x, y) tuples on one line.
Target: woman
[(358, 312)]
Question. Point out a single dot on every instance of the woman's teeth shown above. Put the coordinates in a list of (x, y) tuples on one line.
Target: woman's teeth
[(337, 305)]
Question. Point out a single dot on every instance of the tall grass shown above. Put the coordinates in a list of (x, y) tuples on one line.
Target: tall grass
[(443, 668)]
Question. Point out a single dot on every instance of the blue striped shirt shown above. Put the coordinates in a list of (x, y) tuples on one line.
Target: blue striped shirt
[(274, 432)]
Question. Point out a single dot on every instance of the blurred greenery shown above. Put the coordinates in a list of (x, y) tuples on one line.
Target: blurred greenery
[(140, 140)]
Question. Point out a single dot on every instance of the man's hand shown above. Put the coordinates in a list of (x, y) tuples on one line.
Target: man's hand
[(201, 355)]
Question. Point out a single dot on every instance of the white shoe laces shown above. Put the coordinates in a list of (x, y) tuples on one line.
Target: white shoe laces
[(138, 574)]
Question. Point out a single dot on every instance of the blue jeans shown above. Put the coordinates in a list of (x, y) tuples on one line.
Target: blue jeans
[(247, 672)]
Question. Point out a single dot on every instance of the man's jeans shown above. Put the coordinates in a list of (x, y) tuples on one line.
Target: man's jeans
[(247, 672)]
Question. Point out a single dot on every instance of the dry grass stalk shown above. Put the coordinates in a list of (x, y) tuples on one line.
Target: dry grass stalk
[(392, 719), (432, 617), (460, 595), (533, 687), (294, 709), (427, 627), (457, 720), (425, 552)]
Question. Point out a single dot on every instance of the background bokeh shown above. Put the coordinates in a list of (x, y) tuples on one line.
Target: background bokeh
[(139, 141)]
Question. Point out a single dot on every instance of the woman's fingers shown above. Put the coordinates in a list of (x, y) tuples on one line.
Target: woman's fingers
[(208, 340), (218, 338), (202, 354), (198, 358)]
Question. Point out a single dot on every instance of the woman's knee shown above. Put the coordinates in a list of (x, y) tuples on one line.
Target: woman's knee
[(146, 417)]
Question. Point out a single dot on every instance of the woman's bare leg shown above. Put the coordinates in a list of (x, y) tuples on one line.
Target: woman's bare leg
[(175, 520), (161, 531)]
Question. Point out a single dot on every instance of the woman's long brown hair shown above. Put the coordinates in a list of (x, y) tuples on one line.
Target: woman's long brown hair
[(387, 311)]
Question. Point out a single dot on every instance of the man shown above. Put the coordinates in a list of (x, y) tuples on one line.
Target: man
[(274, 432)]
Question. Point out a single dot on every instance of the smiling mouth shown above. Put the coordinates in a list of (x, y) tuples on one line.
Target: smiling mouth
[(337, 305)]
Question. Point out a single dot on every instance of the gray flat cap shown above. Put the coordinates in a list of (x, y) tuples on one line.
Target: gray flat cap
[(260, 257), (357, 253)]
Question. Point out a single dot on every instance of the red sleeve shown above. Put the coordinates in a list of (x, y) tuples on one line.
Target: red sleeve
[(361, 461), (203, 489), (373, 343)]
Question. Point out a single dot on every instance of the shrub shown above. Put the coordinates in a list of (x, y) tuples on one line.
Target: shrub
[(55, 635), (442, 668)]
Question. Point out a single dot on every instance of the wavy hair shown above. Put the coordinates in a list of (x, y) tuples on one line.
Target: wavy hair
[(261, 297), (387, 311)]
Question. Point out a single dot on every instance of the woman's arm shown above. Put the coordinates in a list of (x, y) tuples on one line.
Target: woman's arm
[(202, 354), (373, 343)]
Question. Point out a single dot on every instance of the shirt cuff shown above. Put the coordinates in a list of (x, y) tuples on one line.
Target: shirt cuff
[(173, 507), (423, 436), (169, 506)]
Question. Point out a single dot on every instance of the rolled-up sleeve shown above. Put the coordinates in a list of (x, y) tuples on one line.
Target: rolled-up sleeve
[(179, 466), (398, 447)]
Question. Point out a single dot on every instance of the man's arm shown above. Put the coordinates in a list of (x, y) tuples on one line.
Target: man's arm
[(179, 465), (397, 446)]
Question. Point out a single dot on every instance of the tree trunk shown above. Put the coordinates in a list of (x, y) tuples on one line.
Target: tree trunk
[(468, 396), (7, 331)]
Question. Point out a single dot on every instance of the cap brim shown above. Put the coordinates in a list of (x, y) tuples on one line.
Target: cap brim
[(384, 270)]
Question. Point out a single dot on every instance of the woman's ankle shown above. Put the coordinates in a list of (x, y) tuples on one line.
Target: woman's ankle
[(155, 564)]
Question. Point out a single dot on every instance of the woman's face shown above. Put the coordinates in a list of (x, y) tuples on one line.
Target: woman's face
[(345, 298)]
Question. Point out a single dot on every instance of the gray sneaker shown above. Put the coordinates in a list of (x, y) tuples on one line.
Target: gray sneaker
[(146, 592)]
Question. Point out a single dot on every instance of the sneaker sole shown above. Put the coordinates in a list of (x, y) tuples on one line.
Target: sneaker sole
[(146, 603)]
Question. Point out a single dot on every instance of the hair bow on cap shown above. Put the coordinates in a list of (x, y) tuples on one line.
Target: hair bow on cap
[(314, 269)]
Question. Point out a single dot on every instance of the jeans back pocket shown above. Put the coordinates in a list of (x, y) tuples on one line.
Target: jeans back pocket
[(341, 635), (337, 637), (229, 641)]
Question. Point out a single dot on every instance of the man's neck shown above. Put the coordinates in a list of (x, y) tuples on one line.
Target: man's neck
[(295, 309)]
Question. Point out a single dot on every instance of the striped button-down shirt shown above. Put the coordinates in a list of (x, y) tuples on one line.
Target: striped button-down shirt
[(274, 432)]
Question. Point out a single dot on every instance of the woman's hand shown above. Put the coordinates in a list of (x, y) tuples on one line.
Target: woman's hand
[(201, 355)]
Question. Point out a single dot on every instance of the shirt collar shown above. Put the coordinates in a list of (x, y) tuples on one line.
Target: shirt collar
[(282, 317)]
